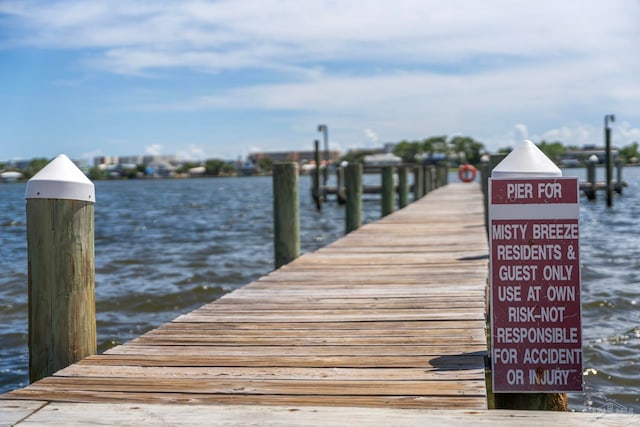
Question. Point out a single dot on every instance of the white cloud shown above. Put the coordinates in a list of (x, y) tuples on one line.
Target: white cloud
[(371, 135), (497, 70), (153, 150), (144, 35), (192, 152), (625, 132), (578, 134), (572, 135), (521, 131)]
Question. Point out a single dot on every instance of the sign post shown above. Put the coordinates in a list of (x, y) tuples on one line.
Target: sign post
[(535, 276)]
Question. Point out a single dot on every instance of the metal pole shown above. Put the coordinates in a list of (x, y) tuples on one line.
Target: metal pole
[(325, 131), (317, 193), (609, 164)]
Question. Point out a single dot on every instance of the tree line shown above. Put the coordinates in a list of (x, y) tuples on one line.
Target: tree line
[(465, 149)]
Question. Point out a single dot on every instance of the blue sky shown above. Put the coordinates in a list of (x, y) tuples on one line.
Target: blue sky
[(204, 79)]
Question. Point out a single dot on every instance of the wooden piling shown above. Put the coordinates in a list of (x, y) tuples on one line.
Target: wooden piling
[(608, 166), (286, 219), (388, 192), (353, 189), (403, 187), (418, 182), (340, 192), (429, 181), (532, 401), (442, 172), (591, 178), (618, 186), (61, 270), (317, 196)]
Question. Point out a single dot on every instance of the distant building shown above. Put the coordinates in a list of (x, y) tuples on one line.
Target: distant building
[(105, 160), (135, 160), (130, 160), (301, 157)]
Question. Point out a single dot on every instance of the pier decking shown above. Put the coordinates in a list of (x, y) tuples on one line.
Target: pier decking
[(390, 316)]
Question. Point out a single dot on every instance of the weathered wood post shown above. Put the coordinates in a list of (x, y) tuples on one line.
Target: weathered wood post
[(388, 193), (315, 191), (442, 171), (286, 219), (618, 186), (403, 187), (340, 195), (61, 270), (445, 172), (529, 198), (429, 180), (353, 188), (425, 180), (591, 178), (435, 174), (418, 184)]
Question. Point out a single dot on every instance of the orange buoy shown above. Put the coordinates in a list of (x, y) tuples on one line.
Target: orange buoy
[(467, 173)]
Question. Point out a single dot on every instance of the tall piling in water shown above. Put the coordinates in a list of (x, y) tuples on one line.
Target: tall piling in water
[(418, 182), (353, 190), (286, 218), (61, 269), (388, 193), (403, 187)]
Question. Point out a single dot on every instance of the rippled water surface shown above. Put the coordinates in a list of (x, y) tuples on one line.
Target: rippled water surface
[(165, 247), (162, 248)]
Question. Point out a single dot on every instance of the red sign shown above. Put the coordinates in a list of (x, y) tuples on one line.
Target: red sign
[(535, 285)]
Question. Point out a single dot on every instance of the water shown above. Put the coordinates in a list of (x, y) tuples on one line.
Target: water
[(166, 247), (162, 248)]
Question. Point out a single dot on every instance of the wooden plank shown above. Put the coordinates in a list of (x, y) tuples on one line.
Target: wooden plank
[(14, 411), (258, 340), (347, 327), (304, 316), (423, 334), (347, 350), (269, 372), (87, 396), (136, 414), (311, 387), (456, 361)]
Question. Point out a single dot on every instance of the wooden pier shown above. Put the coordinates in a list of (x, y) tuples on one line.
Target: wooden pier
[(384, 326)]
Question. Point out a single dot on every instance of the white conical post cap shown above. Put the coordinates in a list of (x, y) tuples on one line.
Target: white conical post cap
[(61, 179), (526, 161)]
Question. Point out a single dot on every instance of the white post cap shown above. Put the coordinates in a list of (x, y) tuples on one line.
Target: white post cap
[(61, 179), (526, 161)]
